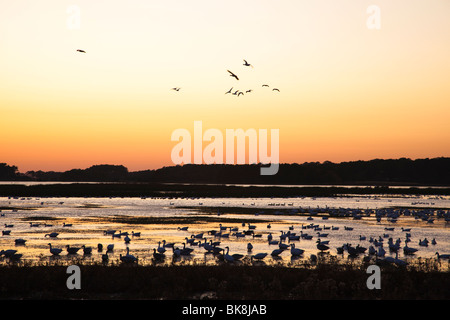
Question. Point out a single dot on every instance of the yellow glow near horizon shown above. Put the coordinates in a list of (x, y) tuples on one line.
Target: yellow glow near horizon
[(347, 92)]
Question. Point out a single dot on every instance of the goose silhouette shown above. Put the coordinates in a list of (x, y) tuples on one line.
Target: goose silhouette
[(54, 251)]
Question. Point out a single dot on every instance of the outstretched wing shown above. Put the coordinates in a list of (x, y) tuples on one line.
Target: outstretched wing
[(233, 75)]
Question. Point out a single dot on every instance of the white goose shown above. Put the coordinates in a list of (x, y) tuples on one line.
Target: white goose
[(128, 258)]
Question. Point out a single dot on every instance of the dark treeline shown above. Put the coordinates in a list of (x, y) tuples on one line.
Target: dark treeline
[(402, 171)]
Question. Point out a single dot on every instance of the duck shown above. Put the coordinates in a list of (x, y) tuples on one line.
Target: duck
[(67, 224), (99, 247), (135, 234), (127, 239), (249, 247), (110, 248)]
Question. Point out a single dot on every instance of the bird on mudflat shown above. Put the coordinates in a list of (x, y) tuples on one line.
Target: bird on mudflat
[(233, 75)]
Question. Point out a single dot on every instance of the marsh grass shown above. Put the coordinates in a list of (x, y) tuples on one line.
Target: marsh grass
[(325, 279)]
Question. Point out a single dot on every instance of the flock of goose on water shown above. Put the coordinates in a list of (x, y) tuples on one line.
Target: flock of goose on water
[(210, 242)]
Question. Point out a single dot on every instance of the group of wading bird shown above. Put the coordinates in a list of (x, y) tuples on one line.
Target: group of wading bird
[(284, 242), (236, 92)]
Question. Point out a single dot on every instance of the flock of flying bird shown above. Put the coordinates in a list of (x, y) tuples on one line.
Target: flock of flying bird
[(236, 93)]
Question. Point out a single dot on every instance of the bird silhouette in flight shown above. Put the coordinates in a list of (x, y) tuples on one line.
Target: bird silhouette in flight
[(233, 75), (247, 64), (235, 93), (265, 85), (176, 89), (229, 91), (248, 91), (275, 89), (240, 94), (82, 51)]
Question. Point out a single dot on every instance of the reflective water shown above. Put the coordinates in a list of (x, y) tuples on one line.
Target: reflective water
[(90, 217)]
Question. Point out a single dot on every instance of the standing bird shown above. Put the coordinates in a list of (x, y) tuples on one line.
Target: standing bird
[(82, 51), (247, 64), (233, 75)]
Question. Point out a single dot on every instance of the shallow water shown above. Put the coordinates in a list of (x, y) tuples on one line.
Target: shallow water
[(89, 219)]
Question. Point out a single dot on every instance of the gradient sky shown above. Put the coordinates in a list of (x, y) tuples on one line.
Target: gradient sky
[(347, 92)]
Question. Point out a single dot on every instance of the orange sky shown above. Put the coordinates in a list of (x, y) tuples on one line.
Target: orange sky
[(347, 92)]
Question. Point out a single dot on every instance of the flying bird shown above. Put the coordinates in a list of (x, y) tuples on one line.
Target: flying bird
[(240, 94), (233, 75), (248, 91), (229, 91), (82, 51), (247, 64), (265, 85), (176, 89), (275, 89)]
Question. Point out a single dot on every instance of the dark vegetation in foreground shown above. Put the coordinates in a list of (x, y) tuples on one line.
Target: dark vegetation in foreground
[(401, 171), (224, 282)]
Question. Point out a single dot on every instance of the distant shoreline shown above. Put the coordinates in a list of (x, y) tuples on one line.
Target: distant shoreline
[(204, 190)]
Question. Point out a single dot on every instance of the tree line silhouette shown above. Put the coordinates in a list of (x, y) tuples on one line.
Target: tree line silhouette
[(403, 171)]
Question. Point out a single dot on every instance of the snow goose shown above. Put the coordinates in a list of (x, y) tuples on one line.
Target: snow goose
[(295, 251)]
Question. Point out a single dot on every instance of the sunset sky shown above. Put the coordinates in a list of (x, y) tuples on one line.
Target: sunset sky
[(347, 92)]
